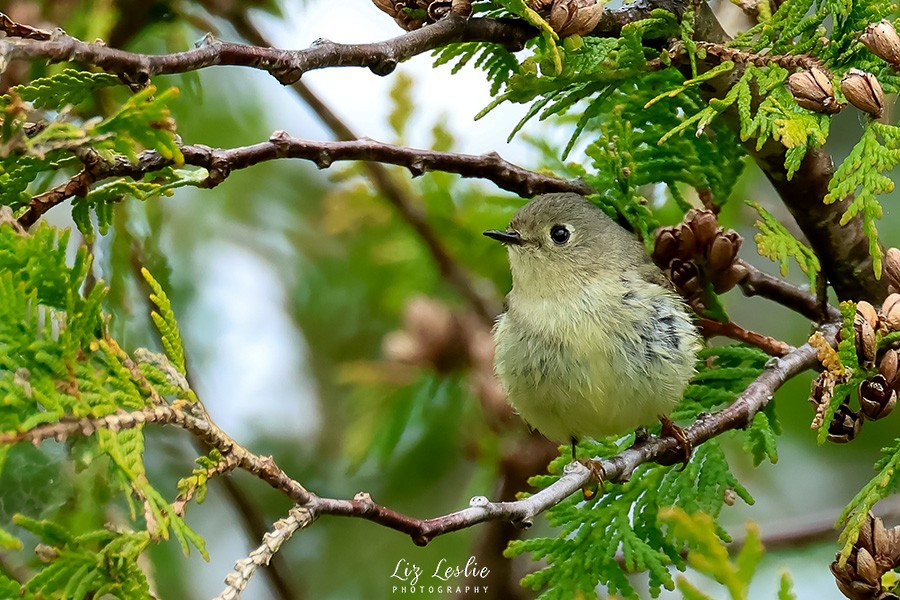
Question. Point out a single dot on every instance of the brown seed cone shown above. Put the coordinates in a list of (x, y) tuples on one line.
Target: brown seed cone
[(431, 337), (882, 40), (704, 226), (687, 241), (892, 266), (867, 311), (877, 551), (876, 397), (686, 276), (723, 250), (863, 91), (889, 367), (891, 312), (845, 426), (461, 7), (728, 279), (666, 246), (574, 17), (541, 6), (813, 90), (864, 339)]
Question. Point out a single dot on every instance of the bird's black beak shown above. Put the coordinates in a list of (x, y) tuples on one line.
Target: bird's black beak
[(505, 237)]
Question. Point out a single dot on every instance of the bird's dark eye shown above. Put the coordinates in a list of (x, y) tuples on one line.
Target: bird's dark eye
[(559, 234)]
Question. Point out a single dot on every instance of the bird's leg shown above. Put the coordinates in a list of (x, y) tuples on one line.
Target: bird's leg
[(641, 435), (597, 473), (669, 428)]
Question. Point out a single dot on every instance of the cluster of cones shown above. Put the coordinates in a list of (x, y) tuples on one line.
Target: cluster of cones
[(697, 255)]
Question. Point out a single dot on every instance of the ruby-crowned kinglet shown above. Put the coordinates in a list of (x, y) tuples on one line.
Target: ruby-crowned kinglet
[(593, 342)]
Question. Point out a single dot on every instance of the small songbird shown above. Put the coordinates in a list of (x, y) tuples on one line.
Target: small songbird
[(594, 342)]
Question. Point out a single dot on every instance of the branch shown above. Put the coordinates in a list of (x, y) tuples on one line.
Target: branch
[(842, 249), (769, 345), (287, 66), (220, 163), (244, 569), (618, 468), (759, 283), (203, 429)]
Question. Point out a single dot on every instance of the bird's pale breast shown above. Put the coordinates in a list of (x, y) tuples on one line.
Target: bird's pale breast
[(603, 360)]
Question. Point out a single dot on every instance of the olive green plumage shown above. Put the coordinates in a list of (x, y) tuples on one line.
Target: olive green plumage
[(593, 342)]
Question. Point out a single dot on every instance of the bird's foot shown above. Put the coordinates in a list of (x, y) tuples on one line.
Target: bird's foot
[(670, 429), (598, 474)]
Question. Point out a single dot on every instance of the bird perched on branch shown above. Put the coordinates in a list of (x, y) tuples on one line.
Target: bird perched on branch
[(594, 342)]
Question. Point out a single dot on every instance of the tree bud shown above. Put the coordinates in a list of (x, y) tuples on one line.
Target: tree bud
[(891, 311), (863, 91), (574, 17), (812, 90), (882, 40), (876, 397)]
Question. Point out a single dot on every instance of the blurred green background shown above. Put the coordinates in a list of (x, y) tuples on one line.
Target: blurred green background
[(286, 281)]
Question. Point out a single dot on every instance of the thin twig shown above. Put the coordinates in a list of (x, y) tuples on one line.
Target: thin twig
[(730, 329), (759, 283), (244, 569)]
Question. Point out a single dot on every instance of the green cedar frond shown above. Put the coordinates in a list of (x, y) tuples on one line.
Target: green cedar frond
[(855, 514), (861, 177), (786, 587), (777, 117), (66, 88), (775, 242), (497, 62), (164, 319), (143, 121), (196, 485), (152, 185), (762, 435), (92, 565), (708, 555)]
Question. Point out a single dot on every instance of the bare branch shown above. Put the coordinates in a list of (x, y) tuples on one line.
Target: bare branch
[(730, 329), (287, 66), (759, 283), (244, 569), (222, 162)]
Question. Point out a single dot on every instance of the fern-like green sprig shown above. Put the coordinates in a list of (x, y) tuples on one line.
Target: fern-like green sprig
[(164, 319), (776, 243), (861, 178)]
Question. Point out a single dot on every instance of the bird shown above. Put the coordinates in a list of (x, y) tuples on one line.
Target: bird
[(594, 341)]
